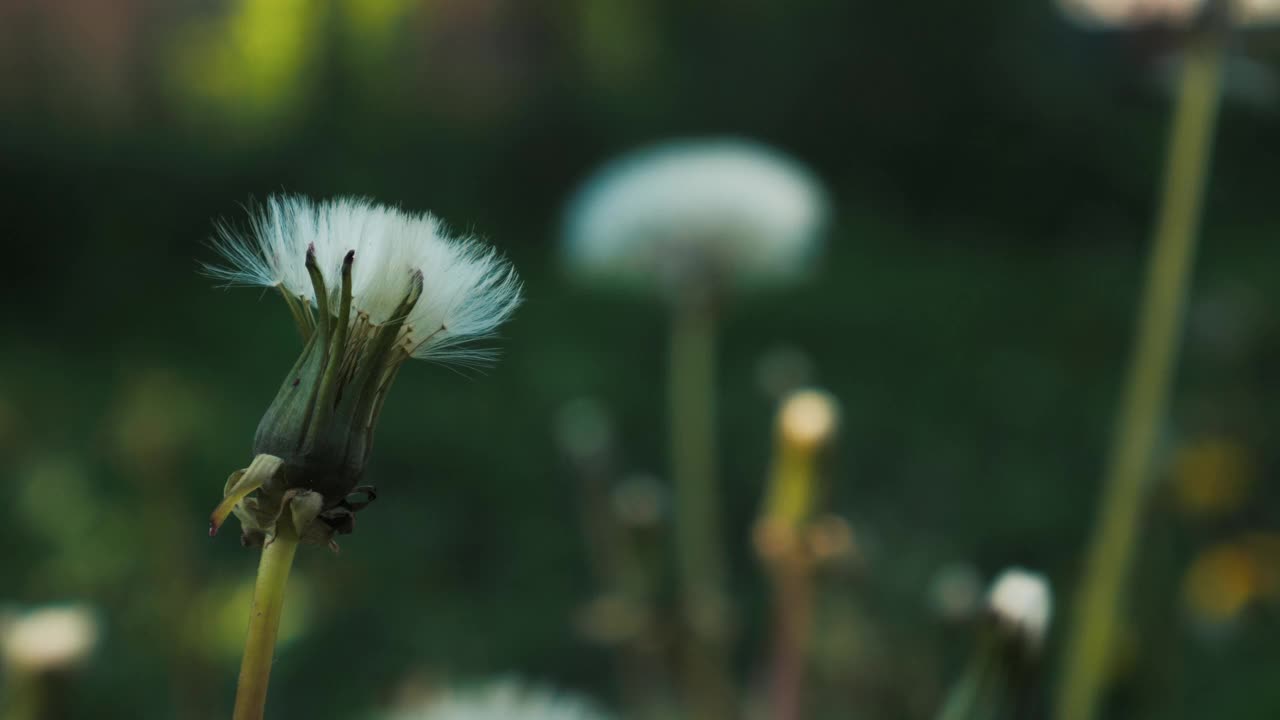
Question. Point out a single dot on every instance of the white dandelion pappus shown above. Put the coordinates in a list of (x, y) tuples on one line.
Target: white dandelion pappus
[(467, 289), (1023, 601), (369, 288), (503, 701), (699, 210), (49, 638)]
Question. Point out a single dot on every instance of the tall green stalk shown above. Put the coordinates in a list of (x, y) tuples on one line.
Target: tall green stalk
[(24, 696), (979, 694), (1146, 396), (701, 567), (264, 621)]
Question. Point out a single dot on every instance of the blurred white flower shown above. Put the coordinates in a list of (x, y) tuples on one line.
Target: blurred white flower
[(505, 700), (1257, 11), (1022, 601), (808, 418), (50, 638), (1173, 13), (701, 211), (467, 290)]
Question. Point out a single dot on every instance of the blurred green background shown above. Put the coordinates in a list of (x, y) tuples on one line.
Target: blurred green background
[(993, 170)]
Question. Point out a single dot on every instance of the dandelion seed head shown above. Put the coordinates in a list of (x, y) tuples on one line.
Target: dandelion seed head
[(1023, 601), (468, 290), (713, 210)]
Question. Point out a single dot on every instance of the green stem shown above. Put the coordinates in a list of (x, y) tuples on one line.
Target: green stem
[(264, 621), (1089, 649), (692, 406), (978, 693), (24, 696)]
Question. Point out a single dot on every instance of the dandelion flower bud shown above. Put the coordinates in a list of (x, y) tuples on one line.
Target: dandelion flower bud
[(50, 639), (1021, 602), (502, 701), (369, 287), (807, 423), (709, 212), (808, 418)]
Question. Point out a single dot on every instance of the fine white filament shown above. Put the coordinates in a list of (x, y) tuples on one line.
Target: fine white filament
[(468, 290)]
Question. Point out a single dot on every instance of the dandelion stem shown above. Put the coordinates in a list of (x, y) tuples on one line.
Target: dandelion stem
[(692, 424), (264, 621), (793, 596), (977, 695), (1089, 648)]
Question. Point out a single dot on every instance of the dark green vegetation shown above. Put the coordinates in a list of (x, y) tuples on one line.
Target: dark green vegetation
[(993, 170)]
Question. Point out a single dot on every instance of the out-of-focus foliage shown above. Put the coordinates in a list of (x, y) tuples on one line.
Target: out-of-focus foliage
[(992, 170)]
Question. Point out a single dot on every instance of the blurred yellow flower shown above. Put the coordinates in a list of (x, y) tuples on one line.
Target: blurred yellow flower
[(1221, 582), (1264, 548), (1212, 476)]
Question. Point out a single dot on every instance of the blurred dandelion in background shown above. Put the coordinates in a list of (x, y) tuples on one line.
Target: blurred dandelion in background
[(1011, 635), (501, 700), (1101, 601), (1022, 605), (692, 222), (792, 538), (1128, 13), (49, 639), (697, 217), (41, 647)]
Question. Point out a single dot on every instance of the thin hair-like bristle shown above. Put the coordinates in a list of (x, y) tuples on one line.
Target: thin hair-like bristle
[(468, 288)]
